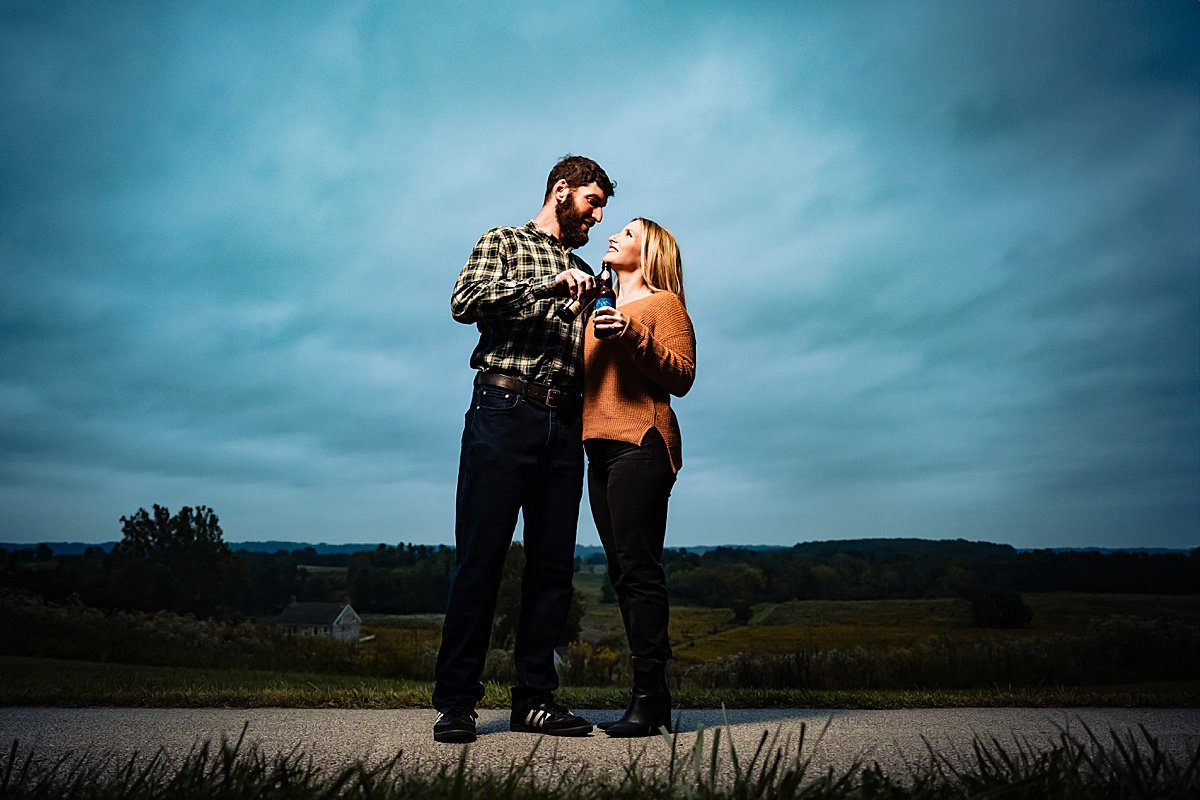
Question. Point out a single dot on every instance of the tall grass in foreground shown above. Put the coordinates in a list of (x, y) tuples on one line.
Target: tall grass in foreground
[(1133, 766)]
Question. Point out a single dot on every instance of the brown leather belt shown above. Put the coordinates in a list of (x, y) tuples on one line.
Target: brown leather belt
[(549, 396)]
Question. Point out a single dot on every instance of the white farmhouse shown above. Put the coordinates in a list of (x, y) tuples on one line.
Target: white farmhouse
[(338, 620)]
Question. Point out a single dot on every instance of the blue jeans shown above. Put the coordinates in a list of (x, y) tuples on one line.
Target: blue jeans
[(517, 456)]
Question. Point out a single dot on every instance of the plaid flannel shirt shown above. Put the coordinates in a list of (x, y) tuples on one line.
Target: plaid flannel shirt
[(506, 288)]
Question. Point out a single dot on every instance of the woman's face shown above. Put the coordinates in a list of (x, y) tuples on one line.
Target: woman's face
[(625, 247)]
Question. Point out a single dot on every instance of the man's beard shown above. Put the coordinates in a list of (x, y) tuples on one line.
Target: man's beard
[(571, 230)]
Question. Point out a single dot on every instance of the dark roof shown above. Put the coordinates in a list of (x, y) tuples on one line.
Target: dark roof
[(311, 613)]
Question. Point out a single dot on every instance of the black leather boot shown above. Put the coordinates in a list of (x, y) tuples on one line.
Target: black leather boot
[(649, 705)]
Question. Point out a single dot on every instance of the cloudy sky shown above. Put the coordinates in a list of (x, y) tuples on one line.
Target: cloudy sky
[(943, 257)]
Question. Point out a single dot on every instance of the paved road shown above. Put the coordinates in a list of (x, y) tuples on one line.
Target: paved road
[(335, 738)]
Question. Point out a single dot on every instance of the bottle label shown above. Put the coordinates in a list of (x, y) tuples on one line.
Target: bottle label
[(604, 302)]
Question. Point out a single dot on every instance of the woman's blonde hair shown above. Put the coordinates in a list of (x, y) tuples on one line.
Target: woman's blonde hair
[(662, 266)]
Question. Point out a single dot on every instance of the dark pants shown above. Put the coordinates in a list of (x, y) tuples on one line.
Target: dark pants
[(628, 487), (517, 456)]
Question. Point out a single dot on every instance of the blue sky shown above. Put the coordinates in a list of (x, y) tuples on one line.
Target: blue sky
[(943, 257)]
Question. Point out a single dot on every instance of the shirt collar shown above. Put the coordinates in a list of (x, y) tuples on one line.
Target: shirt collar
[(532, 227)]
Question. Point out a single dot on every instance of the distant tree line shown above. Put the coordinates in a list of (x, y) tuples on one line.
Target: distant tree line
[(990, 576), (180, 562)]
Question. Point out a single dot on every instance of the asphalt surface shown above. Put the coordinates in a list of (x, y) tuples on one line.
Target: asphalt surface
[(335, 738)]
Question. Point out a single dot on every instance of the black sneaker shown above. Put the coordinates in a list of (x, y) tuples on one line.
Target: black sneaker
[(455, 725), (548, 717)]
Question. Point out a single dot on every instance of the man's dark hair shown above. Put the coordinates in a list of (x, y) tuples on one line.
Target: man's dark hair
[(579, 171)]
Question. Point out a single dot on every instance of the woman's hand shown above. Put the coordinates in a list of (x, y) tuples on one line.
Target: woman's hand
[(609, 323)]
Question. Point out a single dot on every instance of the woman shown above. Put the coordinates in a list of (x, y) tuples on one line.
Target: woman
[(635, 356)]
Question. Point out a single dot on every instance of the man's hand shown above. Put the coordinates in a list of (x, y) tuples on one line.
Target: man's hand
[(573, 283)]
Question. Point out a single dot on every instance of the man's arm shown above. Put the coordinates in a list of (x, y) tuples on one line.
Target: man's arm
[(485, 289)]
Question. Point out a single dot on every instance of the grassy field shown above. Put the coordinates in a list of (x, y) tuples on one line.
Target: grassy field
[(825, 654), (705, 634), (52, 682), (703, 638), (702, 634)]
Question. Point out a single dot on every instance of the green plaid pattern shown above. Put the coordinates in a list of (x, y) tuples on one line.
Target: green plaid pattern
[(506, 289)]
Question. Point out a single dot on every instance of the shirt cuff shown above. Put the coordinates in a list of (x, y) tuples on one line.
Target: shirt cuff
[(544, 290)]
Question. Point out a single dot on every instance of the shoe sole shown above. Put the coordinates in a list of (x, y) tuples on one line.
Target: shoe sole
[(634, 733), (579, 730), (454, 737)]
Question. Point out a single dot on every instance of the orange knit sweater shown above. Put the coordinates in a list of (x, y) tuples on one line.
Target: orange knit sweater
[(628, 380)]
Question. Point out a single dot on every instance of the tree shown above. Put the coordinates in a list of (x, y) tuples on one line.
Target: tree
[(179, 563)]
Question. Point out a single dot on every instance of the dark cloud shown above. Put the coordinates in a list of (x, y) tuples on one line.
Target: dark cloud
[(942, 264)]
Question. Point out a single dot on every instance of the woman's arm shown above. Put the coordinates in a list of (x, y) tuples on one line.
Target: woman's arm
[(668, 356)]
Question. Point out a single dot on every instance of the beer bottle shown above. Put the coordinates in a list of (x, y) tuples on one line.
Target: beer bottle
[(569, 311), (605, 297)]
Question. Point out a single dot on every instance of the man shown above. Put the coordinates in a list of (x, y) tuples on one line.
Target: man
[(521, 453)]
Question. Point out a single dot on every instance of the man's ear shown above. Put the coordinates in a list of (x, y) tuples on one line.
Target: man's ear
[(561, 189)]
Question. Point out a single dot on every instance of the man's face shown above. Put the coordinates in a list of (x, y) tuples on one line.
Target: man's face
[(577, 211)]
